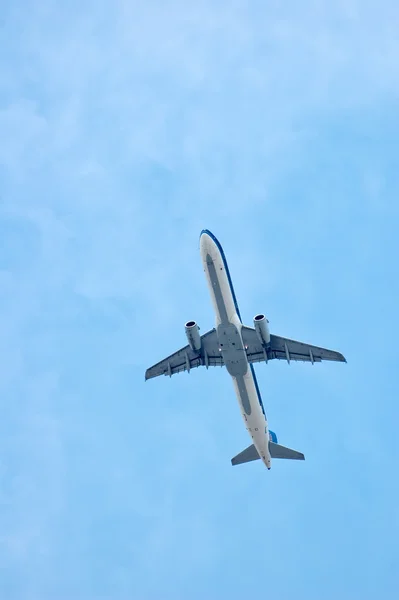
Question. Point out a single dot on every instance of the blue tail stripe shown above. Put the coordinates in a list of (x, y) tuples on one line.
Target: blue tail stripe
[(273, 436)]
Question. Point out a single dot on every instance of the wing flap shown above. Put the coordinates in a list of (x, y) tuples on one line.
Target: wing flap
[(285, 349), (186, 359), (305, 352)]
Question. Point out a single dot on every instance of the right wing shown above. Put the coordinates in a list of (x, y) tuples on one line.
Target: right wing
[(186, 358), (285, 349)]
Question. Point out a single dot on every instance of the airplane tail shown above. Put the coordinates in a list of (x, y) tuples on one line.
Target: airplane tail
[(276, 451)]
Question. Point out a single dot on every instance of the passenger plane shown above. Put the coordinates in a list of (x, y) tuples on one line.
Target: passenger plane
[(237, 347)]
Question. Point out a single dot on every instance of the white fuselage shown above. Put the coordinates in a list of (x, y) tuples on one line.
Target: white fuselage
[(228, 327)]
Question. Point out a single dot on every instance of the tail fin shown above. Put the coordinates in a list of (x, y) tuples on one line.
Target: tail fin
[(276, 451)]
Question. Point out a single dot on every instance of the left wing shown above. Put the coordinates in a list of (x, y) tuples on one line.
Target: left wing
[(285, 349), (186, 358)]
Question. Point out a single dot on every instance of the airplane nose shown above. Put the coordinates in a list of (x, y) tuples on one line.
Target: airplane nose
[(207, 245)]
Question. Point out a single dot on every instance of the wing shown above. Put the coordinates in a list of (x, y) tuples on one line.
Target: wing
[(186, 358), (285, 349)]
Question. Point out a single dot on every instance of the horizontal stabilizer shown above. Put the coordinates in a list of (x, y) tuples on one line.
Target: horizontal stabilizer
[(277, 451), (245, 456)]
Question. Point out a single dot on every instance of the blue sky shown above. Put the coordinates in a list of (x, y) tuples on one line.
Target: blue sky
[(126, 128)]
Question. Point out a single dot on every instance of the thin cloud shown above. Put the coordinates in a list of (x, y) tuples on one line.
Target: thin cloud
[(126, 129)]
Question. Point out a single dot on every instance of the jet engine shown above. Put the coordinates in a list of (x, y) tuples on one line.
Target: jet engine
[(193, 336), (261, 325)]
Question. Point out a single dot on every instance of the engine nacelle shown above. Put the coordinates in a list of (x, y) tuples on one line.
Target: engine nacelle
[(261, 325), (193, 336)]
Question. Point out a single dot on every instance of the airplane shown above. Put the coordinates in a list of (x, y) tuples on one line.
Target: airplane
[(237, 347)]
